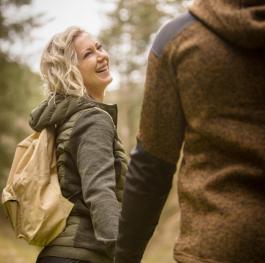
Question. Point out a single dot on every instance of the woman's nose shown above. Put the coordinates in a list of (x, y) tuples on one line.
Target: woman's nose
[(102, 55)]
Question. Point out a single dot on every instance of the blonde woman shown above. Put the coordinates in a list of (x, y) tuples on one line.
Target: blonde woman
[(90, 156)]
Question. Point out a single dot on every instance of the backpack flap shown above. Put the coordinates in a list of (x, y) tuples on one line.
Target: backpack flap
[(10, 205), (9, 199)]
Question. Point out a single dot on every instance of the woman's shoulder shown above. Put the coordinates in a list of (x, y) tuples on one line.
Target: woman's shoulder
[(94, 119), (96, 115), (93, 126)]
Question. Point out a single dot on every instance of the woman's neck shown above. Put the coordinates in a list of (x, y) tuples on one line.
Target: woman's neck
[(96, 97)]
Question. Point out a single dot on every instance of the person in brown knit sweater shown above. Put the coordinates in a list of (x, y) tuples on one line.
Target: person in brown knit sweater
[(205, 92)]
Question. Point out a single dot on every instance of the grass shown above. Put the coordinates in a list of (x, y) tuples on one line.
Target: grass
[(13, 250)]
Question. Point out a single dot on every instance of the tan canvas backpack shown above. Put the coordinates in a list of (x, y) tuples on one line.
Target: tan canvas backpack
[(32, 197)]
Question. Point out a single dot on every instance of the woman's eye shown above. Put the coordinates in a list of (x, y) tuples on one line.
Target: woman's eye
[(87, 54), (100, 47)]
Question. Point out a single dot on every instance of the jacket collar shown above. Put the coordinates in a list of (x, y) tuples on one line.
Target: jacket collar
[(112, 109), (57, 109)]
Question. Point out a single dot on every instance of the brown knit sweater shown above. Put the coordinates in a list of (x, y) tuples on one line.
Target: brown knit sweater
[(205, 88)]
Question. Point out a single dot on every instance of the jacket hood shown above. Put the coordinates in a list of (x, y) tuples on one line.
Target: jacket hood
[(56, 110), (241, 22)]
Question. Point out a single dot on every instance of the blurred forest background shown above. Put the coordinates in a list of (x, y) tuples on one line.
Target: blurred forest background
[(131, 29)]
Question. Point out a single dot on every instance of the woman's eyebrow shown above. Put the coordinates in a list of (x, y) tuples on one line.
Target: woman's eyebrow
[(85, 50)]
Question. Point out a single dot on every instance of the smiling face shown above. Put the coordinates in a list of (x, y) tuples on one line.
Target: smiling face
[(93, 64)]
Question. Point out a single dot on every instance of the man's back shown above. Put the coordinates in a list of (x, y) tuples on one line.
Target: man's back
[(206, 87), (222, 178)]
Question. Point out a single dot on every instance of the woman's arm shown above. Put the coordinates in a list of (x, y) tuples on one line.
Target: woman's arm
[(92, 140)]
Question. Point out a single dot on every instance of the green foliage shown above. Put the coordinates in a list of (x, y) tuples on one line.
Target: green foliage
[(19, 86), (133, 23), (11, 27), (19, 91)]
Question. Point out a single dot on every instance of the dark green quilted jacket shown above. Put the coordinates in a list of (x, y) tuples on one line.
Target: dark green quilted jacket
[(91, 166)]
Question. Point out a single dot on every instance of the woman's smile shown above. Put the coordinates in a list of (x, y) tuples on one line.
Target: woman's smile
[(103, 71)]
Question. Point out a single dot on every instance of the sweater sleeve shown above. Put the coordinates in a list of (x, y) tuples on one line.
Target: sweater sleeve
[(92, 141)]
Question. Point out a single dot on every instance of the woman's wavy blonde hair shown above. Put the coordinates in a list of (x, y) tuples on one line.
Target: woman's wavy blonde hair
[(58, 65)]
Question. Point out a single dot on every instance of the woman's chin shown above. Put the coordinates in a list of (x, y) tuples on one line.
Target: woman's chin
[(110, 79), (107, 81)]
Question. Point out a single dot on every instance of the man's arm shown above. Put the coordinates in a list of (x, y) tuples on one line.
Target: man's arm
[(147, 186), (160, 139)]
